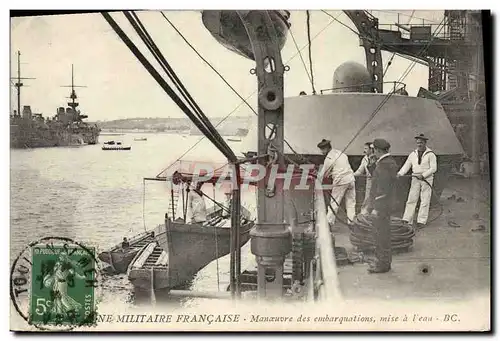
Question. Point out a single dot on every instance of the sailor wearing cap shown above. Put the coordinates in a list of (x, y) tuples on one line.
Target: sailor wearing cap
[(423, 163), (381, 200), (366, 169), (338, 171)]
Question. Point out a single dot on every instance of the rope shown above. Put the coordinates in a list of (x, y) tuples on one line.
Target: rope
[(203, 123), (328, 264), (184, 202), (160, 58), (406, 15), (214, 201), (302, 59), (394, 53), (340, 22), (206, 61), (399, 52), (152, 71), (244, 100), (309, 43), (388, 96)]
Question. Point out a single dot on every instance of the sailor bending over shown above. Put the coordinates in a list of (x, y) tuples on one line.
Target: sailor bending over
[(337, 171)]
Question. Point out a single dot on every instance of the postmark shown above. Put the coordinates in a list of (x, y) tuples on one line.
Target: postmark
[(54, 284)]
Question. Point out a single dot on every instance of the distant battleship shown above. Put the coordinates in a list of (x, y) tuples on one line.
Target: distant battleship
[(66, 128)]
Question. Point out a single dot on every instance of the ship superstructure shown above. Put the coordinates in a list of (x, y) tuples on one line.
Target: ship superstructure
[(66, 128)]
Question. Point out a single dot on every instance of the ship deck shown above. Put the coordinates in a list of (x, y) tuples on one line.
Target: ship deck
[(445, 262)]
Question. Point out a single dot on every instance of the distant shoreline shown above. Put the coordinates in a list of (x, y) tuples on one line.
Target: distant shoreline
[(120, 132), (230, 126)]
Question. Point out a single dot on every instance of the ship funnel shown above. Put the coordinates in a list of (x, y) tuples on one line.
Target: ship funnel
[(351, 77), (27, 112), (228, 29)]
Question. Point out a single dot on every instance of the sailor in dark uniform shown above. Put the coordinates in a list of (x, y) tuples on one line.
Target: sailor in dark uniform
[(381, 201)]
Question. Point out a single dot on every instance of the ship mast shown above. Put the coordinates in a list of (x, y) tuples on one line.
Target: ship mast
[(19, 84), (73, 104)]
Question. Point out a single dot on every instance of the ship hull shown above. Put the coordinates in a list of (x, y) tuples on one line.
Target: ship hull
[(120, 259), (22, 137), (188, 249)]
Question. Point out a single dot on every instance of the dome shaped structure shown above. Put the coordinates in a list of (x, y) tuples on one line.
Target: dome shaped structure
[(228, 29), (351, 77)]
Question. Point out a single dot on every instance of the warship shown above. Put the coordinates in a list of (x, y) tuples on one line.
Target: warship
[(296, 253), (66, 128)]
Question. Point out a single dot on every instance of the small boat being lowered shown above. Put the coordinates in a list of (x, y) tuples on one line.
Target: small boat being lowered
[(181, 249)]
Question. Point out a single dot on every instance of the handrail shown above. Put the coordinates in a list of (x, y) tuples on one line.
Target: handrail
[(325, 250)]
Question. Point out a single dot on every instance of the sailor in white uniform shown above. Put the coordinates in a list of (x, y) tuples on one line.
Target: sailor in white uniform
[(196, 210), (423, 163), (338, 172), (365, 169)]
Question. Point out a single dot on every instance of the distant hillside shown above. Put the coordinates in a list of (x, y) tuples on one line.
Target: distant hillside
[(231, 126)]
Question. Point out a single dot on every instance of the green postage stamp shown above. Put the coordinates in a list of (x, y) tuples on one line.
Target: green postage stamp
[(62, 288), (54, 282)]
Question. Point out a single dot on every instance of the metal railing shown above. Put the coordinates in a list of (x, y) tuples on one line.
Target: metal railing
[(448, 33), (324, 279)]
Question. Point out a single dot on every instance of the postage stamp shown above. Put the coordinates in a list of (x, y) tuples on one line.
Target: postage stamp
[(53, 284)]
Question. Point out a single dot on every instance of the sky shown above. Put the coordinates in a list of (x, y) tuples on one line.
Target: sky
[(118, 86)]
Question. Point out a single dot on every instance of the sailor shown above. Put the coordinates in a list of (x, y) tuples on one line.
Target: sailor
[(196, 205), (338, 172), (366, 168), (125, 243), (423, 164), (381, 201), (227, 205)]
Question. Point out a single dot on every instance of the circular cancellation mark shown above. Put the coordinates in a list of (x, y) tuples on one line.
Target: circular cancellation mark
[(53, 284)]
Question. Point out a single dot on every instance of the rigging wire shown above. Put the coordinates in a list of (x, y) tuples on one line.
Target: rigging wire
[(399, 52), (388, 96), (302, 59), (244, 100), (153, 48), (424, 49), (164, 64), (340, 22), (309, 43), (159, 79), (374, 113), (202, 58), (406, 15)]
